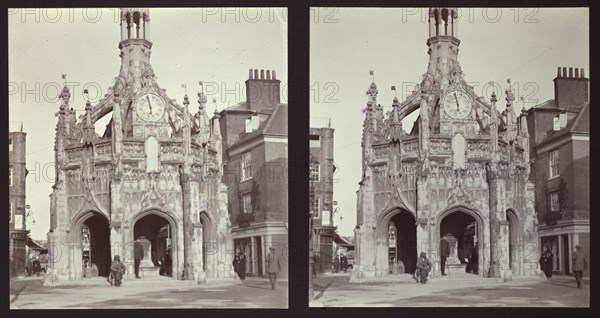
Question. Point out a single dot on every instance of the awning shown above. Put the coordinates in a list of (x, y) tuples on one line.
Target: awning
[(342, 242), (35, 245)]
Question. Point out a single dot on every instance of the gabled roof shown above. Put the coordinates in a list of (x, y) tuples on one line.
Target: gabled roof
[(578, 124), (276, 124)]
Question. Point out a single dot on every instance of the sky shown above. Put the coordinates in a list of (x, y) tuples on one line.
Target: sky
[(526, 45), (212, 45)]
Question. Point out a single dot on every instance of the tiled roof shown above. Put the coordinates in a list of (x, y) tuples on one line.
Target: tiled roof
[(276, 124), (579, 123)]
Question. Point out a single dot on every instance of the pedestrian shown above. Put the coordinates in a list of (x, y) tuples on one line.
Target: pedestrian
[(579, 265), (241, 270), (168, 264), (344, 262), (336, 264), (423, 268), (273, 266), (546, 262), (235, 263), (117, 270), (444, 252), (138, 255), (36, 266)]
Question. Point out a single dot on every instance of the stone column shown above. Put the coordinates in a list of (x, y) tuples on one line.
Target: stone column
[(188, 228), (254, 259), (494, 222)]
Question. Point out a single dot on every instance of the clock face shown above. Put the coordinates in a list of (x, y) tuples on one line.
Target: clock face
[(150, 107), (457, 104)]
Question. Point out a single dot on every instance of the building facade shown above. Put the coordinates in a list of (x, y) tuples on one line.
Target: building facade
[(16, 206), (153, 175), (462, 171), (559, 146), (255, 163), (322, 168)]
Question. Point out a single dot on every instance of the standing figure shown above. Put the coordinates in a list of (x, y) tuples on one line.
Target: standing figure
[(117, 270), (336, 264), (241, 269), (138, 255), (344, 262), (579, 265), (546, 262), (236, 263), (273, 266), (423, 268), (444, 252)]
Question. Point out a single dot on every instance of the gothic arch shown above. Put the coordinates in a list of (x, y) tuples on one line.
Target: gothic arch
[(479, 219), (77, 222)]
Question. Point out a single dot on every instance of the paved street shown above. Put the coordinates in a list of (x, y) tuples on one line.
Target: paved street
[(28, 293), (560, 291)]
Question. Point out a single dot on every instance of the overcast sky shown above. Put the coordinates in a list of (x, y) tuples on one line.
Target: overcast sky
[(189, 45), (526, 45)]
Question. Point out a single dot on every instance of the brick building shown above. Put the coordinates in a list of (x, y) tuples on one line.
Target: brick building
[(16, 206), (255, 170), (559, 138), (322, 167)]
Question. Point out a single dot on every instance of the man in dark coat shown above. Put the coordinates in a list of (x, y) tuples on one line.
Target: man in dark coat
[(138, 255), (444, 253), (273, 266), (344, 262), (579, 264), (241, 269), (547, 262)]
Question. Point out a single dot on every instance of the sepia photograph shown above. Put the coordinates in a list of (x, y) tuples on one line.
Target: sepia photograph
[(449, 157), (142, 180)]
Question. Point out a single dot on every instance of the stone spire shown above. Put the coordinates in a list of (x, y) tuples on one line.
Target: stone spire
[(89, 133), (509, 116), (187, 146), (395, 122), (61, 130), (201, 120), (368, 125), (443, 45)]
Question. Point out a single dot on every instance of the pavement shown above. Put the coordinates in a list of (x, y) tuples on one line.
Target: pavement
[(254, 292), (465, 290)]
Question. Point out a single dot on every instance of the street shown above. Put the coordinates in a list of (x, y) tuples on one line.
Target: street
[(28, 293), (335, 290)]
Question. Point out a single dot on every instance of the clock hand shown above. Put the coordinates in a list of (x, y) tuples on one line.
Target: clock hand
[(457, 106), (149, 105)]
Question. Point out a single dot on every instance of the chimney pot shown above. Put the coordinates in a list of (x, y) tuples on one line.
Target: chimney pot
[(564, 72), (558, 73), (250, 74), (274, 77), (262, 74), (576, 72), (268, 74), (255, 74), (570, 72), (582, 73)]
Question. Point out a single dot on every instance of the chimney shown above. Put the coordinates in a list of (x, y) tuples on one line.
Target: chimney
[(262, 92), (250, 74), (570, 90)]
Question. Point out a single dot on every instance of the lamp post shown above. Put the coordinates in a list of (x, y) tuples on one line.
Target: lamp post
[(311, 262)]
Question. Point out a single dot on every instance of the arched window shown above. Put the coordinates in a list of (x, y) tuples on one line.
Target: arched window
[(458, 149), (151, 148)]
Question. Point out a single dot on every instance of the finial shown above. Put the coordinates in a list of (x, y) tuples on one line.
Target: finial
[(186, 100), (184, 86), (372, 73), (510, 97), (395, 95)]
